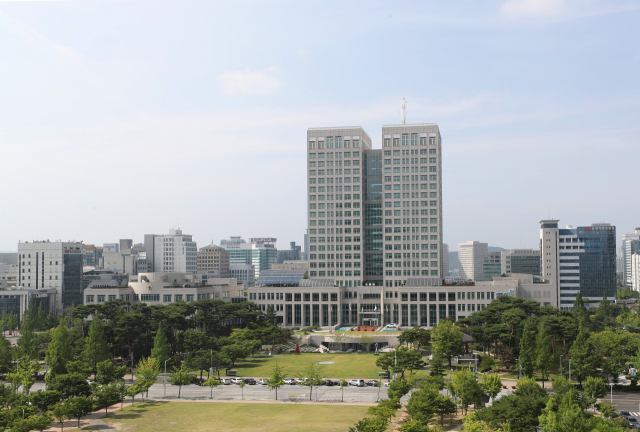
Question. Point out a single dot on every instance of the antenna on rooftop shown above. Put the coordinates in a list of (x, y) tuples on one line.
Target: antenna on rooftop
[(403, 111)]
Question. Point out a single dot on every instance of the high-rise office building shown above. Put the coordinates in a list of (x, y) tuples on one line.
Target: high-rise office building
[(471, 255), (293, 254), (171, 253), (635, 271), (579, 260), (630, 245), (214, 257), (44, 265), (259, 252), (521, 261), (375, 215), (491, 265)]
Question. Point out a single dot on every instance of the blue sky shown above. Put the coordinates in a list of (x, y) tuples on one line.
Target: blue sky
[(124, 118)]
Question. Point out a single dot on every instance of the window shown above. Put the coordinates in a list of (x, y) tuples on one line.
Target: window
[(100, 299), (178, 297), (167, 298)]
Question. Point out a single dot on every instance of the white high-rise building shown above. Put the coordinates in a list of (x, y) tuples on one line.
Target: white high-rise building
[(635, 271), (630, 245), (45, 264), (471, 255), (171, 253)]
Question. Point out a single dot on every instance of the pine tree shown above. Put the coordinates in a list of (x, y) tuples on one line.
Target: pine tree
[(59, 350), (160, 349), (579, 311), (27, 341), (5, 354), (543, 351), (583, 359), (95, 347), (528, 349)]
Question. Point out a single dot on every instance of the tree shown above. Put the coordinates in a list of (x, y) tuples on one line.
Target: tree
[(70, 385), (370, 424), (528, 349), (343, 384), (135, 389), (446, 339), (543, 351), (79, 407), (5, 355), (107, 395), (161, 348), (465, 388), (417, 336), (583, 360), (26, 343), (311, 378), (385, 361), (594, 388), (61, 413), (564, 416), (219, 361), (95, 347), (211, 382), (366, 341), (241, 385), (180, 376), (271, 317), (109, 373), (277, 378), (148, 371), (436, 365), (59, 351), (338, 339), (233, 352), (44, 400), (408, 360), (491, 384)]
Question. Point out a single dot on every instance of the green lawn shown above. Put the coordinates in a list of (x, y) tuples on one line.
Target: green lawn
[(236, 417), (345, 366)]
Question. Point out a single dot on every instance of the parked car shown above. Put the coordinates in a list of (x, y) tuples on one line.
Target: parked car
[(330, 383), (236, 380), (225, 381), (625, 414), (291, 381), (250, 381), (392, 325), (263, 381), (351, 350), (357, 382), (372, 382), (302, 381), (632, 421)]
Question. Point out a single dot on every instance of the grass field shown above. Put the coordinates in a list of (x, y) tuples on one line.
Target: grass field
[(345, 366), (193, 416)]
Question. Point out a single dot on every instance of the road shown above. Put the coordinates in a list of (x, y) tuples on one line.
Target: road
[(260, 392), (626, 402)]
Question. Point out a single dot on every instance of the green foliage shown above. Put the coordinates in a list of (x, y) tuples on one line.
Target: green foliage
[(107, 395), (491, 384), (180, 376), (59, 351), (417, 336), (109, 373), (95, 347), (486, 364), (528, 349), (70, 385), (5, 354), (564, 416), (79, 407), (161, 349), (465, 388), (594, 388), (312, 377), (583, 359), (212, 382), (436, 365), (370, 424), (276, 380), (397, 389), (446, 340), (543, 351), (45, 400)]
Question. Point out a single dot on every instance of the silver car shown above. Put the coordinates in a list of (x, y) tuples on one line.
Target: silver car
[(225, 381), (263, 381)]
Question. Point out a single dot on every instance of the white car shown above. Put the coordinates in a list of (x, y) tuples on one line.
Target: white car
[(263, 381), (236, 380), (302, 381), (392, 325), (225, 381), (357, 382), (291, 381)]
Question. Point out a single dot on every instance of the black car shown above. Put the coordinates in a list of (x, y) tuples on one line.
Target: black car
[(250, 381), (329, 383), (372, 382), (625, 414), (632, 421)]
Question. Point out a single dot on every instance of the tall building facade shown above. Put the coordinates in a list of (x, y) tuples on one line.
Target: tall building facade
[(171, 253), (521, 261), (635, 271), (491, 265), (293, 254), (579, 260), (214, 257), (630, 245), (259, 252), (471, 256), (445, 260), (375, 215), (45, 265)]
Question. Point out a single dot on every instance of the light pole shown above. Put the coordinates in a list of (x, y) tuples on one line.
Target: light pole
[(18, 370), (561, 365), (131, 367), (611, 384), (317, 384), (164, 378)]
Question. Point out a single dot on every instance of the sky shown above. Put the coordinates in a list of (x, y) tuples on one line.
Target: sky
[(119, 119)]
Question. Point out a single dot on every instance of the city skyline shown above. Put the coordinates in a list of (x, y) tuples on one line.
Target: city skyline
[(118, 121)]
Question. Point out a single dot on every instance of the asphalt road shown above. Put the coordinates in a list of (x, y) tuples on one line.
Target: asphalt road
[(259, 392), (625, 402)]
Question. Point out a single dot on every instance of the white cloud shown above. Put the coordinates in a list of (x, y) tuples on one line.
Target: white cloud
[(532, 8), (248, 82)]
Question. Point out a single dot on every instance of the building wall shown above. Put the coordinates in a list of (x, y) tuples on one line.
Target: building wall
[(174, 252), (55, 265), (445, 260), (491, 265), (627, 252), (243, 273), (214, 258), (527, 261), (471, 258), (635, 271)]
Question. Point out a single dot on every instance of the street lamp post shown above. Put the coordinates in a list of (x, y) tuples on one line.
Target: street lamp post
[(317, 384), (164, 378)]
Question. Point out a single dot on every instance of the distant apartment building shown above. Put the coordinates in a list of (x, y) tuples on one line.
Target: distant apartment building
[(491, 265), (214, 257), (111, 247), (579, 260), (58, 265), (521, 261), (92, 255), (630, 245), (9, 258), (471, 256), (171, 253), (293, 254), (243, 273)]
